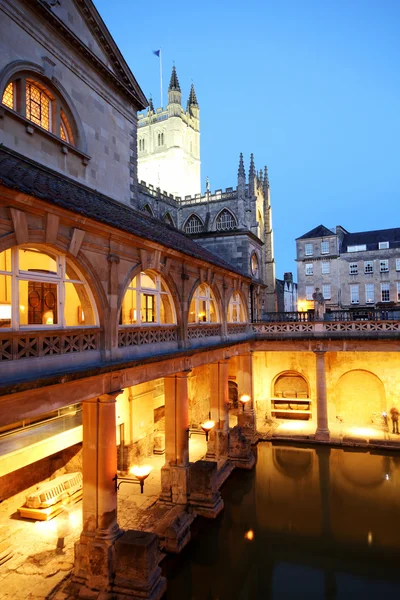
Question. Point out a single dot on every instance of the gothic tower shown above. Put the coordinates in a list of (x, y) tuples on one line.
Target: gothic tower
[(169, 143)]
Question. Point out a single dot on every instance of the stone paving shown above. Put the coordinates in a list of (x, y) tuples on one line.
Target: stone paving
[(38, 570)]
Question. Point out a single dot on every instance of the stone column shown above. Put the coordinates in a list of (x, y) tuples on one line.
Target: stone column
[(99, 512), (174, 474), (246, 417), (219, 396), (322, 432)]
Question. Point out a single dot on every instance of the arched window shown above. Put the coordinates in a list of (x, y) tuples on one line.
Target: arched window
[(194, 225), (236, 310), (225, 221), (147, 209), (42, 288), (39, 104), (147, 300), (203, 307), (168, 219)]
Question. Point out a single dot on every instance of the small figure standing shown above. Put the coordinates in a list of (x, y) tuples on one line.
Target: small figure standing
[(394, 413), (319, 305)]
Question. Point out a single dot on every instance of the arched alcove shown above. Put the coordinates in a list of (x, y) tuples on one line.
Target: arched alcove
[(360, 398), (290, 396)]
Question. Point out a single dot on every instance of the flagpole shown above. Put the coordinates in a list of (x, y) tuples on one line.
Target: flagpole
[(161, 94)]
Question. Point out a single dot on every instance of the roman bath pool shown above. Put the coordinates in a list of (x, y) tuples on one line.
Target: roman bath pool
[(317, 523)]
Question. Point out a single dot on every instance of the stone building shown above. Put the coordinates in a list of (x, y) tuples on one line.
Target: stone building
[(235, 223), (121, 335), (286, 293), (353, 270)]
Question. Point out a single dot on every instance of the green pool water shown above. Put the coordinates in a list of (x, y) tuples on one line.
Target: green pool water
[(307, 522)]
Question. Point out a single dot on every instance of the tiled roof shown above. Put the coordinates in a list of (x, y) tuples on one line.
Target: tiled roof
[(372, 238), (29, 177), (320, 231)]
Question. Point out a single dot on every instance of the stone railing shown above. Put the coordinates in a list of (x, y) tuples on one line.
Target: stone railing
[(203, 331), (236, 328), (327, 329), (19, 344), (137, 336)]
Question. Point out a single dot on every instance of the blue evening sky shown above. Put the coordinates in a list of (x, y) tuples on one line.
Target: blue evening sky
[(311, 87)]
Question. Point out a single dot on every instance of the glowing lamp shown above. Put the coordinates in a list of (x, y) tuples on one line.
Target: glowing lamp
[(249, 535), (207, 426), (139, 472), (5, 312), (244, 399)]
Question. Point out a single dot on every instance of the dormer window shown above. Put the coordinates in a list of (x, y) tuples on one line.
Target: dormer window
[(383, 245)]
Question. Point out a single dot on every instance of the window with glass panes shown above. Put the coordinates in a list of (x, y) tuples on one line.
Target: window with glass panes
[(42, 289), (236, 312), (369, 293), (309, 292), (308, 249), (326, 291), (353, 268), (354, 294), (385, 292), (324, 247), (325, 267), (309, 268), (398, 291), (147, 300), (397, 264), (384, 266), (368, 266), (203, 307)]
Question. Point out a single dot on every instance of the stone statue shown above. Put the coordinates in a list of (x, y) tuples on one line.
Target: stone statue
[(319, 305)]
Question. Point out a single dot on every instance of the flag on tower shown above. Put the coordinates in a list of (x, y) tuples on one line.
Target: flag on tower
[(157, 53)]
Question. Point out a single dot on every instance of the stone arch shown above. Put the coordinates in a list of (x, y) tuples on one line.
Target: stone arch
[(225, 220), (360, 397), (193, 224), (147, 209), (168, 281), (21, 66), (217, 297), (243, 301), (290, 384), (83, 266), (168, 219)]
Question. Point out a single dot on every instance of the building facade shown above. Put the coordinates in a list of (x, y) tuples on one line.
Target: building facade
[(352, 270)]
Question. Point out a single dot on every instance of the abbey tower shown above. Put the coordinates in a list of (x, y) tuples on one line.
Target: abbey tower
[(169, 143)]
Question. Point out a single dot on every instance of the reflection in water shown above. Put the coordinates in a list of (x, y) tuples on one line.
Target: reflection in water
[(312, 523)]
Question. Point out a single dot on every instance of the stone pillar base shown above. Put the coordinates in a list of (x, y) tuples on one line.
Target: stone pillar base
[(240, 453), (174, 530), (204, 497), (137, 574), (174, 484), (322, 435), (125, 568), (218, 444), (247, 423)]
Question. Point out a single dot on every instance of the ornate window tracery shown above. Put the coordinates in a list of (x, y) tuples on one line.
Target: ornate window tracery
[(42, 289), (147, 300), (225, 221), (194, 225), (203, 307)]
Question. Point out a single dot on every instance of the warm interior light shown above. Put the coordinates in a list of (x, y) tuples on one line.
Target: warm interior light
[(244, 398), (5, 311), (207, 425), (141, 472), (49, 321), (249, 535)]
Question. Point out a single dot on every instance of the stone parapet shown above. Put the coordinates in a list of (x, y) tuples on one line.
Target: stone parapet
[(204, 495), (240, 453)]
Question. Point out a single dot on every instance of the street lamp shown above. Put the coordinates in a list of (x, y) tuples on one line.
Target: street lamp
[(140, 474), (244, 399)]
